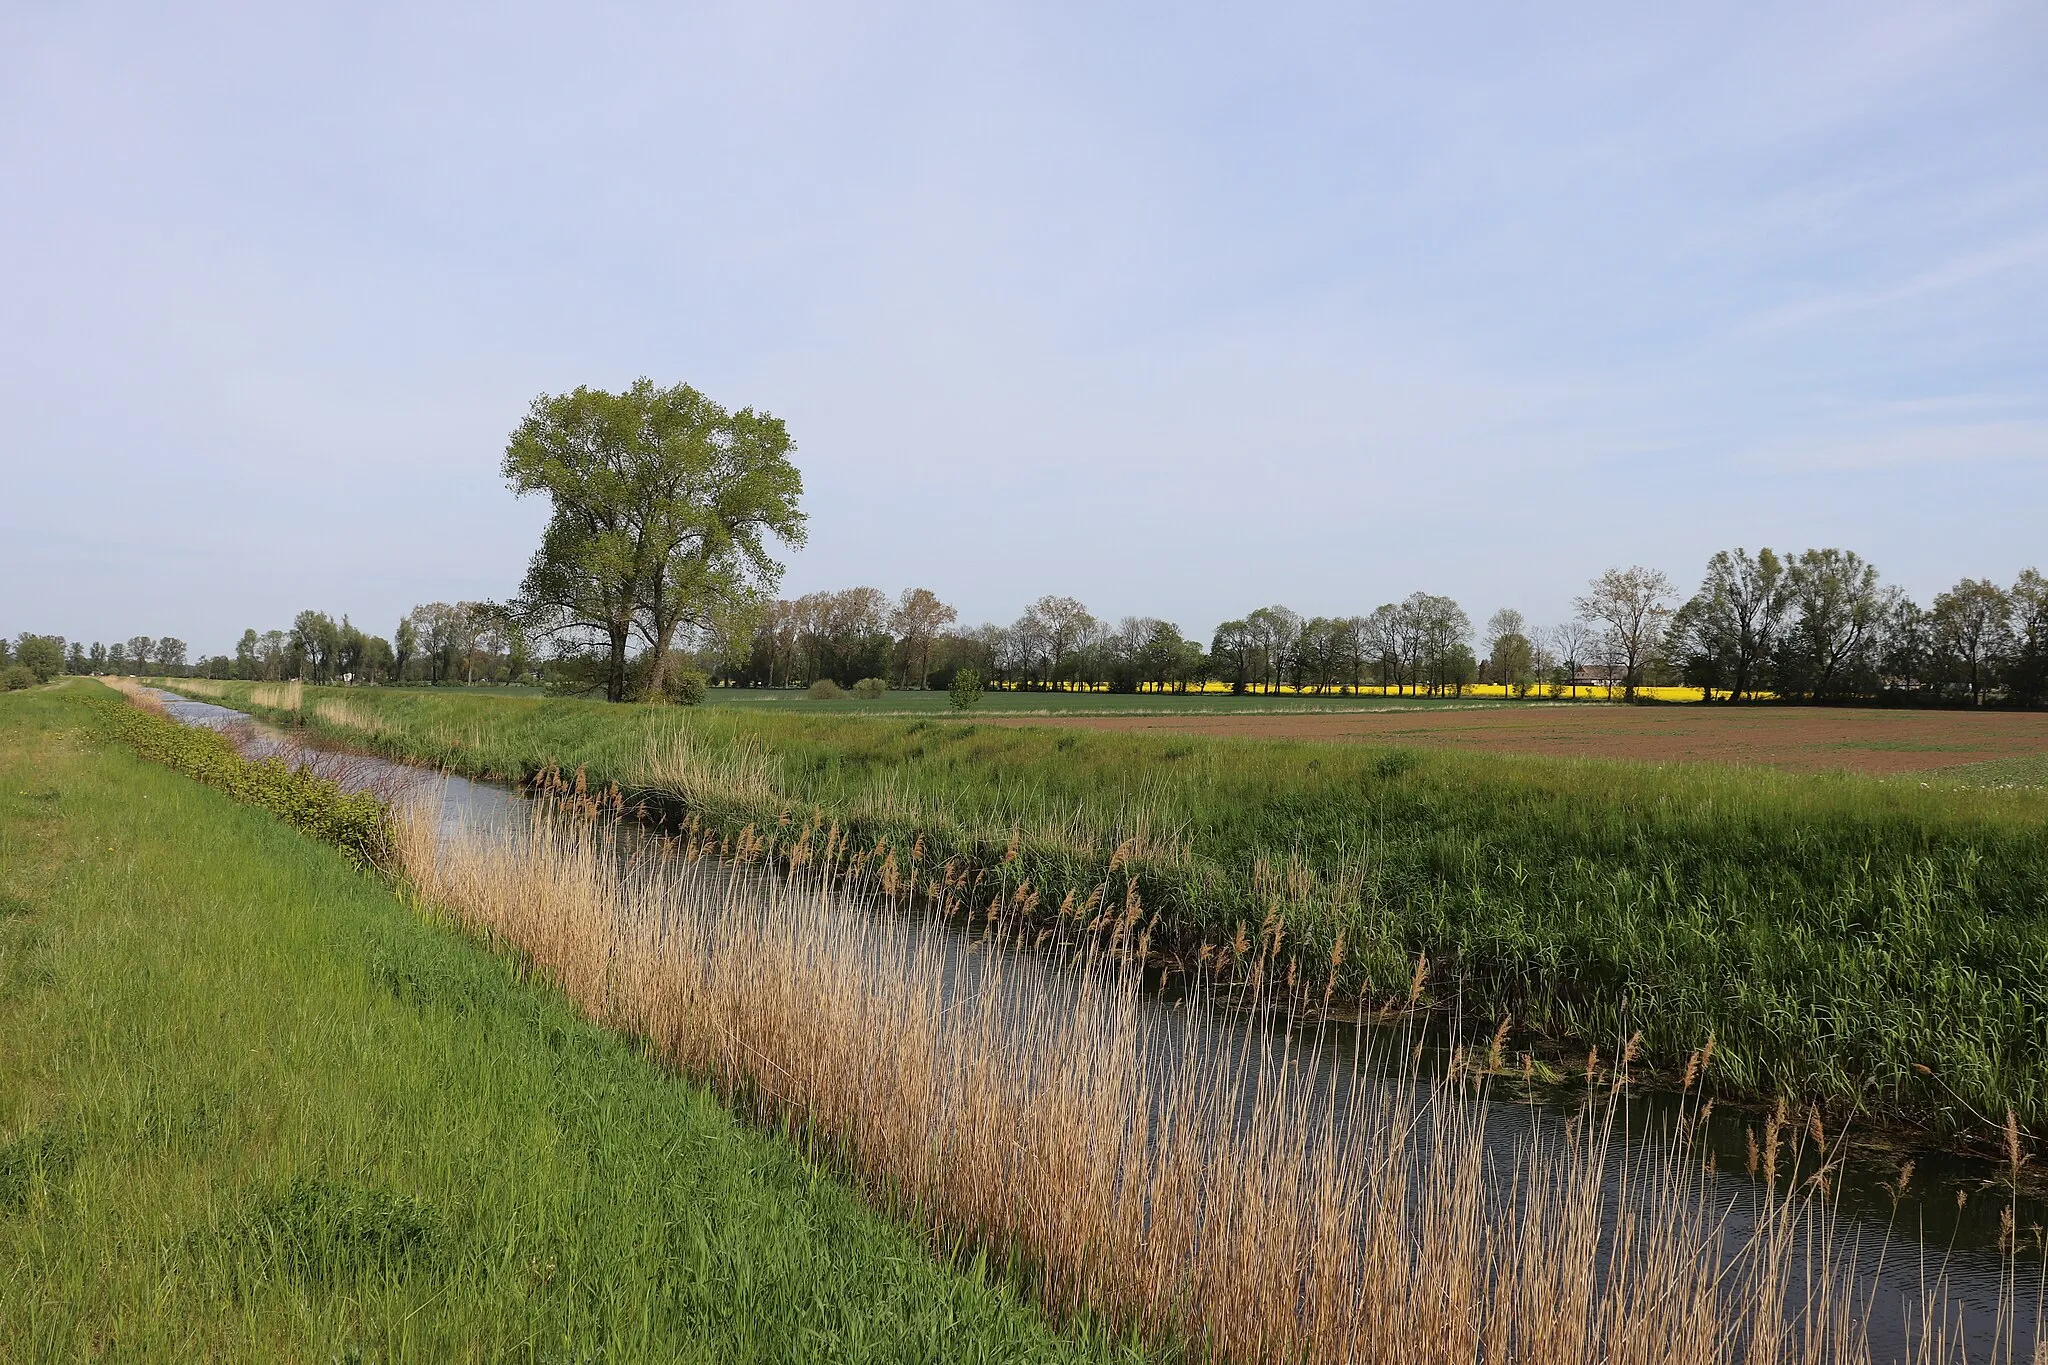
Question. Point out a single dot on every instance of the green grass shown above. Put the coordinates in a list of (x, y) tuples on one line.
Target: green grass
[(1834, 934), (253, 1107)]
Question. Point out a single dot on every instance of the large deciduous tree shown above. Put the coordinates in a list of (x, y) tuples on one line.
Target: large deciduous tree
[(1630, 606), (664, 503), (1724, 634), (1057, 627), (1510, 653), (1970, 623), (1837, 612), (42, 655), (917, 620), (2027, 667), (1231, 651)]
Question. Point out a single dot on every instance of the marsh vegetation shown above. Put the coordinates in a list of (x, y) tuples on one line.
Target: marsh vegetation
[(1871, 947)]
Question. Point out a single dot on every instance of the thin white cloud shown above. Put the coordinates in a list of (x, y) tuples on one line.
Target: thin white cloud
[(1952, 274), (1962, 443)]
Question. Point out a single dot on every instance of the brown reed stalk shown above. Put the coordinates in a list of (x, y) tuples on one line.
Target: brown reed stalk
[(1248, 1190)]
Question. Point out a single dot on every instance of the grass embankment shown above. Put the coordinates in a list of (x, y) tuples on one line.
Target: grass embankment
[(1868, 944), (252, 1107)]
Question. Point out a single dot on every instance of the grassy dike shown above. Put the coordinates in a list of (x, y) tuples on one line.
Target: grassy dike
[(253, 1107), (1878, 947)]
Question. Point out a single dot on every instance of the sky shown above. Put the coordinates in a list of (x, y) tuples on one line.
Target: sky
[(1178, 309)]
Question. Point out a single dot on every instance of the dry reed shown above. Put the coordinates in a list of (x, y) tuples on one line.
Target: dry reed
[(284, 696), (1253, 1193), (349, 716), (137, 693)]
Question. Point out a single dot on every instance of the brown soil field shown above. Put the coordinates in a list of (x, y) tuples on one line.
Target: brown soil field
[(1807, 739)]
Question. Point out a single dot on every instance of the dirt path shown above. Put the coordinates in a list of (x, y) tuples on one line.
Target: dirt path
[(1809, 739)]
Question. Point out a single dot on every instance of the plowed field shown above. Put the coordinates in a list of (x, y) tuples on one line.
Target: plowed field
[(1808, 739)]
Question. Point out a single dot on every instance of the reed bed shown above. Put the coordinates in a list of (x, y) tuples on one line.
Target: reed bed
[(137, 693), (349, 716), (1229, 1192), (208, 688), (284, 696)]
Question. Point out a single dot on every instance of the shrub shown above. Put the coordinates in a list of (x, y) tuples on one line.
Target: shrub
[(356, 822), (14, 677), (867, 689), (824, 689), (42, 655), (966, 688), (685, 687)]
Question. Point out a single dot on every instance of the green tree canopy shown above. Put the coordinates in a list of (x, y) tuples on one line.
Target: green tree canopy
[(664, 503), (42, 655)]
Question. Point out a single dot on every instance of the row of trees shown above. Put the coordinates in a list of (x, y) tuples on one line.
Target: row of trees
[(1821, 625), (1816, 625), (466, 642), (438, 642), (1058, 643), (46, 656)]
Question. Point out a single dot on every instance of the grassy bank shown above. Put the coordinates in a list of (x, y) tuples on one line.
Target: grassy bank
[(1873, 945), (252, 1107)]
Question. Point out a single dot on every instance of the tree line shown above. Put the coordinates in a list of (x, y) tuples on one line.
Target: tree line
[(1818, 625), (33, 658), (435, 643)]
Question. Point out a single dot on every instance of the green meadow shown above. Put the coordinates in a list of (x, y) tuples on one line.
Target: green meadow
[(1878, 946), (253, 1106)]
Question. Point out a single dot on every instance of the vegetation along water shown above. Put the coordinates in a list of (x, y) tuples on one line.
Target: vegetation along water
[(995, 1103), (1876, 947)]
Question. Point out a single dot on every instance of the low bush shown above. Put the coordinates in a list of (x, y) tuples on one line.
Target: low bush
[(356, 822), (14, 677), (966, 689), (686, 687), (867, 689), (824, 689)]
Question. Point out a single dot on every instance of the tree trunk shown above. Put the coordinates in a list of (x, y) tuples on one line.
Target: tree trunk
[(615, 680)]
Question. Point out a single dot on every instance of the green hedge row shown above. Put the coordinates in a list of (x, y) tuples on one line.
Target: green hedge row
[(357, 823)]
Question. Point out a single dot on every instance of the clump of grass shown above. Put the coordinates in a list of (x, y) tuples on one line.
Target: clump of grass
[(1254, 1192), (349, 716), (34, 1161), (321, 1230), (285, 696), (737, 778)]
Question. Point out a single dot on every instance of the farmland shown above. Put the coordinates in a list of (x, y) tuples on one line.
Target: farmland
[(1872, 945), (1803, 739)]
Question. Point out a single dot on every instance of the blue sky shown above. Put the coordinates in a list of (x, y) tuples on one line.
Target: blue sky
[(1180, 310)]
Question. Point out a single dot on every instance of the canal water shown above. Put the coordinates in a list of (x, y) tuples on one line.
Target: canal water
[(1940, 1237)]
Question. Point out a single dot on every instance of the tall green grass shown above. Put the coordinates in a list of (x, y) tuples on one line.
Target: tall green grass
[(1871, 945), (252, 1107)]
